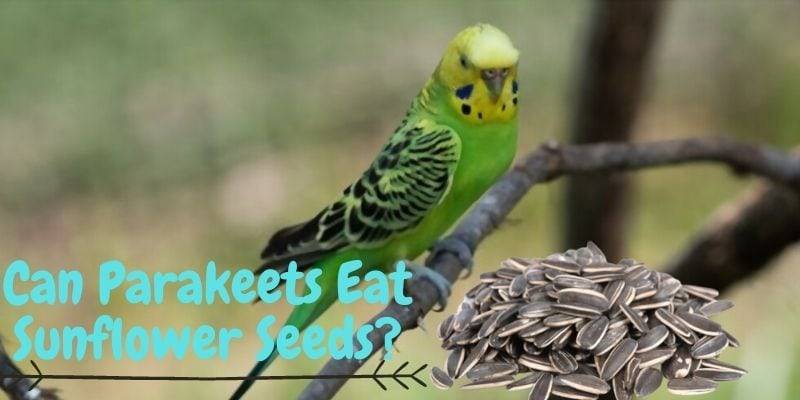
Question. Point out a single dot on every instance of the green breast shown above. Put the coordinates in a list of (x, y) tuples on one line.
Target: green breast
[(486, 154)]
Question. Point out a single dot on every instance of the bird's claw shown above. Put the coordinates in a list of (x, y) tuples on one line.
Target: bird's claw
[(421, 325), (440, 282), (457, 248)]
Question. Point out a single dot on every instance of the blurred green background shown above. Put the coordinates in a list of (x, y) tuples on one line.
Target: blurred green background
[(166, 134)]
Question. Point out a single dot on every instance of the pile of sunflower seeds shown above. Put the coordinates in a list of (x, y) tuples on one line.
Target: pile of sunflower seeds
[(576, 326)]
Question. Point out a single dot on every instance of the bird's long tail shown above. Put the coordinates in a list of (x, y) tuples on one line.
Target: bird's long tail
[(301, 317)]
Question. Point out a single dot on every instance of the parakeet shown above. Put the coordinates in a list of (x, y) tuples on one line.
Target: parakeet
[(457, 138)]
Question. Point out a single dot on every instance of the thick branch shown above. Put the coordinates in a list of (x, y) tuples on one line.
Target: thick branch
[(547, 163), (17, 389), (611, 83), (741, 238)]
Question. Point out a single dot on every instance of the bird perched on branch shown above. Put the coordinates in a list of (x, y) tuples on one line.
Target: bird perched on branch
[(458, 137)]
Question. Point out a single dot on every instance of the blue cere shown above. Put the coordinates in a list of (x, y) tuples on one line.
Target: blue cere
[(464, 92)]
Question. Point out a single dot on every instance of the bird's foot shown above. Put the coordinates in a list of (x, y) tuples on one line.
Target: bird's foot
[(457, 248), (441, 283)]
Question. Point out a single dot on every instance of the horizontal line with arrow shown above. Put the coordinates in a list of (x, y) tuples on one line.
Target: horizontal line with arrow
[(375, 375)]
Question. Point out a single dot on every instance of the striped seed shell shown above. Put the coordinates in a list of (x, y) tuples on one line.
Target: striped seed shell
[(454, 361), (563, 362), (691, 386), (653, 338), (700, 324), (647, 381), (525, 382), (489, 383), (483, 371), (440, 379), (589, 335), (709, 347), (618, 357), (584, 383)]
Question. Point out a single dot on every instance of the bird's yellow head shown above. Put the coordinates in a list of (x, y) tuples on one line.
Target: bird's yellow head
[(479, 71)]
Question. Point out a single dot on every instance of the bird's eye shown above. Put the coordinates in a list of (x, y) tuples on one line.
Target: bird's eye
[(463, 61)]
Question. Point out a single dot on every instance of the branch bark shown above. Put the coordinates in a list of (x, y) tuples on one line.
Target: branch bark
[(611, 83), (549, 162), (741, 238), (17, 389)]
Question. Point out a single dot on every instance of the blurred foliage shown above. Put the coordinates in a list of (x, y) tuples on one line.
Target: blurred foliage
[(168, 133)]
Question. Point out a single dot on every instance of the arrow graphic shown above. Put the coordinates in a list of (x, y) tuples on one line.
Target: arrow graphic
[(375, 376)]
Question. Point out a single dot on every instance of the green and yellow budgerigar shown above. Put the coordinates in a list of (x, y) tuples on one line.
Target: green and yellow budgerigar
[(458, 137)]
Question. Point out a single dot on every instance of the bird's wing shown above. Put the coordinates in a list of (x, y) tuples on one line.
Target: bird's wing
[(411, 175)]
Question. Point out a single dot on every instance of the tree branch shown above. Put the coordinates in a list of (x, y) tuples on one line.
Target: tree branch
[(549, 162), (611, 84), (17, 389), (741, 238)]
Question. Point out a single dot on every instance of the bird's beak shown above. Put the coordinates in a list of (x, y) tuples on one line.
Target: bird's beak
[(494, 79)]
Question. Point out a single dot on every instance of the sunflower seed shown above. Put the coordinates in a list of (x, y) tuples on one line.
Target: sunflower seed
[(732, 341), (668, 288), (584, 382), (653, 338), (537, 363), (718, 376), (672, 322), (560, 320), (440, 379), (654, 358), (610, 339), (709, 347), (533, 330), (539, 309), (535, 277), (562, 338), (525, 382), (679, 365), (704, 293), (566, 320), (588, 297), (620, 391), (563, 266), (567, 392), (454, 362), (445, 328), (718, 365), (630, 372), (590, 334), (573, 281), (463, 317), (515, 326), (715, 307), (700, 324), (517, 286), (483, 371), (549, 336), (474, 356), (649, 304), (489, 326), (489, 383), (577, 310), (613, 290), (563, 362), (647, 381), (542, 388), (691, 386), (602, 268), (617, 359), (634, 317)]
